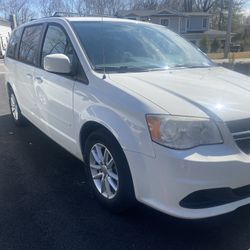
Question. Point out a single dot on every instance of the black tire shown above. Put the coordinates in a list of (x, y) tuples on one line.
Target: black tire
[(16, 115), (124, 197)]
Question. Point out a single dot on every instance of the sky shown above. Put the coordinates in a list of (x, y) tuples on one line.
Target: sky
[(247, 8)]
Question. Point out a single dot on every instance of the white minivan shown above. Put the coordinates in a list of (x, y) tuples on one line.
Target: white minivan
[(151, 116)]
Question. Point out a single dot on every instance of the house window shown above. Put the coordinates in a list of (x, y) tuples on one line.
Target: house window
[(204, 22), (188, 23), (165, 22)]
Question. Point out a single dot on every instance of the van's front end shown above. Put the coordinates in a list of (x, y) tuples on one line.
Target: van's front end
[(199, 131), (201, 143)]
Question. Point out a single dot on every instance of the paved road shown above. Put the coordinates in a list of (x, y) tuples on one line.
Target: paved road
[(45, 203)]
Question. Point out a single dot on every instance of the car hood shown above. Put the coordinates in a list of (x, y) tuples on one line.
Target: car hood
[(214, 92)]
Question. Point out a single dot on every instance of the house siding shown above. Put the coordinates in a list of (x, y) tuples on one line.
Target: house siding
[(5, 32), (178, 22), (156, 20), (174, 24), (183, 24)]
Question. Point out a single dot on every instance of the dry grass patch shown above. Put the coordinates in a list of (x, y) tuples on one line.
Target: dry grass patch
[(236, 55)]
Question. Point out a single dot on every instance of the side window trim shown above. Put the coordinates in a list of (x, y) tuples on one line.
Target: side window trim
[(84, 79), (40, 47), (17, 45)]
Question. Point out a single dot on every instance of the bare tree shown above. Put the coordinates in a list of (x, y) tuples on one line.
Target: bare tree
[(172, 4), (114, 5), (220, 13), (48, 7), (98, 7), (21, 8), (79, 6), (204, 5), (188, 5), (25, 14), (144, 4)]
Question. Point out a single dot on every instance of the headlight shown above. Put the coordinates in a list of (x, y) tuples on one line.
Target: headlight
[(180, 132)]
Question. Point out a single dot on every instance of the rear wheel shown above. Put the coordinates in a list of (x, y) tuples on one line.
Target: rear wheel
[(15, 111), (108, 171)]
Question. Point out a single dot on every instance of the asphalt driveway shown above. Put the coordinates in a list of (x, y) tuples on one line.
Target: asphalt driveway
[(45, 203)]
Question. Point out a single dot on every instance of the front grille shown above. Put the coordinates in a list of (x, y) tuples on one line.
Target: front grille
[(240, 130)]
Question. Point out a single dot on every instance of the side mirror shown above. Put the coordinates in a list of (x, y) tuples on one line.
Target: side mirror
[(57, 63)]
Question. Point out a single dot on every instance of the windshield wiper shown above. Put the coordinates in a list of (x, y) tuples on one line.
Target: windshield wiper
[(190, 66), (120, 69)]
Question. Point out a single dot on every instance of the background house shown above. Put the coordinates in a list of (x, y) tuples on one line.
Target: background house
[(191, 25), (5, 31), (246, 23)]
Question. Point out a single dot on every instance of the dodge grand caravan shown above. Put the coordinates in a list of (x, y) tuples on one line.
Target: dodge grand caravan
[(151, 116)]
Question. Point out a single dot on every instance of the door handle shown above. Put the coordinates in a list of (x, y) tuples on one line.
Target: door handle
[(29, 76), (39, 79)]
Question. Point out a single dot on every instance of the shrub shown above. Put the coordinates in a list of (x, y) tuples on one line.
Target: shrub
[(246, 44), (216, 45), (205, 44)]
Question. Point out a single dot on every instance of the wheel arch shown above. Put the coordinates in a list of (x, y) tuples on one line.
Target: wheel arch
[(129, 129), (11, 87), (91, 126), (8, 87), (88, 128)]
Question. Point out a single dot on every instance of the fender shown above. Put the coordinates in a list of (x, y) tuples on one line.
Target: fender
[(131, 133), (10, 77), (11, 85)]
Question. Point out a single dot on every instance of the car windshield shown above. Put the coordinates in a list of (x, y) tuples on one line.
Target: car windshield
[(116, 46)]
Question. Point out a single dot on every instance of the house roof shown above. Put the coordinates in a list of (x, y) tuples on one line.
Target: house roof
[(212, 34), (142, 13), (165, 12), (215, 32), (196, 14), (4, 22)]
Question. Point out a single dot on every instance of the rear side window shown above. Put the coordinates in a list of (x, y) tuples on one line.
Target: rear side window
[(30, 43), (13, 43), (56, 42)]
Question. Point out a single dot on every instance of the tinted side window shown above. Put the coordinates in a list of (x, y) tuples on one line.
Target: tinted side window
[(14, 40), (30, 43), (55, 42)]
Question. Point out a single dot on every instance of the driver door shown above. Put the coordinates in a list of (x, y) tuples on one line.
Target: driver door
[(54, 92)]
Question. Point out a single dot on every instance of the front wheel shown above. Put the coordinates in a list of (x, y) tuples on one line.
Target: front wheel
[(108, 171)]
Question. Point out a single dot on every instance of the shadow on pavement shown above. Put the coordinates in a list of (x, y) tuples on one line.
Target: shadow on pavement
[(46, 203)]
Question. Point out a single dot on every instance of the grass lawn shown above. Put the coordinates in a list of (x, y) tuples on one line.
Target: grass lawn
[(236, 55)]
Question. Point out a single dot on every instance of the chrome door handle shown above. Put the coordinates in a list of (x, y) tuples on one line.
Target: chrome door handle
[(39, 79)]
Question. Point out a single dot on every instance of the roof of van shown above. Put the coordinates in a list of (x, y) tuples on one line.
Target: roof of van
[(79, 19), (97, 18), (86, 19)]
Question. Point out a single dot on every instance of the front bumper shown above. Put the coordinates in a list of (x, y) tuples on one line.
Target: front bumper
[(164, 181)]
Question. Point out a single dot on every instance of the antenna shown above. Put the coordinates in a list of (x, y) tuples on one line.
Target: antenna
[(103, 52)]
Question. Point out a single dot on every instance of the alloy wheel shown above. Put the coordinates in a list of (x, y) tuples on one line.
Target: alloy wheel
[(104, 171), (14, 106)]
